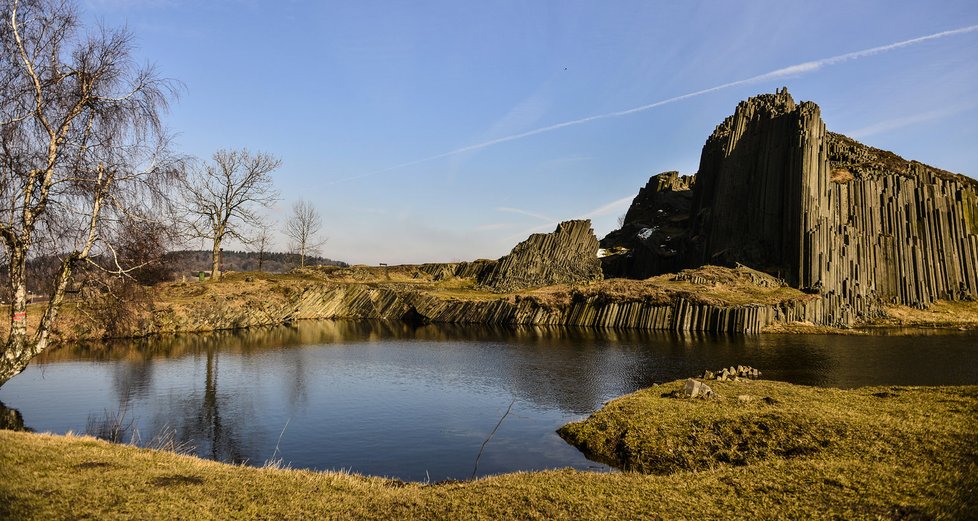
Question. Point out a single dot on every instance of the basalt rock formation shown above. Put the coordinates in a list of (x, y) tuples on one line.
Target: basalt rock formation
[(653, 236), (714, 299), (569, 255), (776, 191)]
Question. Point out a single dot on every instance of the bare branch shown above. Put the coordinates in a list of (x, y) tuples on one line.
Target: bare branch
[(83, 154), (303, 228), (221, 197)]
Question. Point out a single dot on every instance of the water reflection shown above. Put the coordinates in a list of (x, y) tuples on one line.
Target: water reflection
[(11, 419), (417, 402)]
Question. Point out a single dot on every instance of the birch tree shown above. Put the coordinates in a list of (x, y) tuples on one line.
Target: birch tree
[(222, 197), (303, 229), (82, 153)]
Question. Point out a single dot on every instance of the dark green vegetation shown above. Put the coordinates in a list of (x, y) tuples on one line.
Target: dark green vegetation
[(788, 452)]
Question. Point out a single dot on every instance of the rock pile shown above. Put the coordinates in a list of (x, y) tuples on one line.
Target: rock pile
[(732, 373), (693, 389)]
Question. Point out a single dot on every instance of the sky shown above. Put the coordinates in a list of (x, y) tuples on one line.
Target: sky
[(435, 131)]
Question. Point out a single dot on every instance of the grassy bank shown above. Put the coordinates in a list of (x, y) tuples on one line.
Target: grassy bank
[(886, 453)]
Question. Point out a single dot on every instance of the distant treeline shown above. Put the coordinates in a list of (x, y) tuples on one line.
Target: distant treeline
[(172, 265), (187, 262)]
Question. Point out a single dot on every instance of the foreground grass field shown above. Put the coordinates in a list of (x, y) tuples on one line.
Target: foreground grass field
[(875, 453)]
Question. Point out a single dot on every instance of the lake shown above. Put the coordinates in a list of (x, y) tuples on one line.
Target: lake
[(392, 400)]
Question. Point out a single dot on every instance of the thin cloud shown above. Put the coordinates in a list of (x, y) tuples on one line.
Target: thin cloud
[(542, 217), (791, 70), (612, 207), (906, 121)]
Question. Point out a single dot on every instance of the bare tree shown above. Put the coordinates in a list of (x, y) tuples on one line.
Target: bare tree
[(82, 154), (261, 241), (222, 197), (303, 229)]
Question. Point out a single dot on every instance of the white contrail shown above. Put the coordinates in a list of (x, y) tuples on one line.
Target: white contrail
[(790, 70), (542, 217)]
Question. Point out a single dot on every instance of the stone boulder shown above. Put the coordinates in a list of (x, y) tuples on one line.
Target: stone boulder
[(697, 389)]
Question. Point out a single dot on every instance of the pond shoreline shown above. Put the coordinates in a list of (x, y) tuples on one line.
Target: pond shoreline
[(864, 477)]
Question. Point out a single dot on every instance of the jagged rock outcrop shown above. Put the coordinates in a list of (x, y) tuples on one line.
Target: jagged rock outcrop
[(569, 255), (856, 225), (653, 236), (462, 270)]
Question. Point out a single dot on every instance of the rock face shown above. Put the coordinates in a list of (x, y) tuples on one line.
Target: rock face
[(856, 225), (394, 303), (462, 270), (569, 255), (653, 234)]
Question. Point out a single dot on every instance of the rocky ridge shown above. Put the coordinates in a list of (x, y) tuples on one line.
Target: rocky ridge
[(568, 255)]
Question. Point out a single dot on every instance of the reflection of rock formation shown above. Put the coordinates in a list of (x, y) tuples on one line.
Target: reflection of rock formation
[(568, 255), (777, 192)]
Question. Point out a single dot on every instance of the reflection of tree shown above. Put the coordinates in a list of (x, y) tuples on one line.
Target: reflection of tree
[(223, 444), (11, 419), (132, 379)]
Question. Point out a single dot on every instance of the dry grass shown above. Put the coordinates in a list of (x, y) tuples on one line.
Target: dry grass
[(712, 285), (939, 314), (892, 453), (841, 176)]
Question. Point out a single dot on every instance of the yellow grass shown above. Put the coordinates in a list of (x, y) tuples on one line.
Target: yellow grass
[(893, 453)]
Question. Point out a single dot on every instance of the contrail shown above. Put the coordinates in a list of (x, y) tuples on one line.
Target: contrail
[(542, 217), (790, 70)]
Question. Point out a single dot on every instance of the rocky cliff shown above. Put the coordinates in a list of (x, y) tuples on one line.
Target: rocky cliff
[(708, 299), (856, 225), (653, 236), (568, 255)]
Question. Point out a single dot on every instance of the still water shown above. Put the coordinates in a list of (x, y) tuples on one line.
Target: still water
[(418, 403)]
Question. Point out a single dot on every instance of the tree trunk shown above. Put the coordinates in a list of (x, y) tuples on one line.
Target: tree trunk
[(17, 352), (216, 266), (20, 349)]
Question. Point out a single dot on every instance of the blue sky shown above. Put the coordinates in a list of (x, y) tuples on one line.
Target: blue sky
[(411, 125)]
